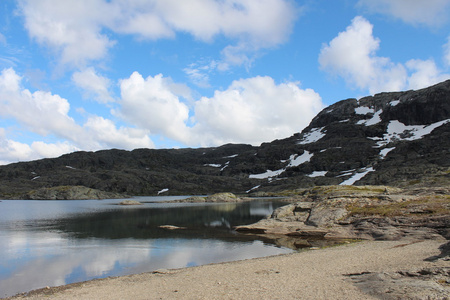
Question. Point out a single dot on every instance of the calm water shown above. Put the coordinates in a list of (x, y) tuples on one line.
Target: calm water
[(50, 243)]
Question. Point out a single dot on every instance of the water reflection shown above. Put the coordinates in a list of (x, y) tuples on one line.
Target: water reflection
[(50, 243)]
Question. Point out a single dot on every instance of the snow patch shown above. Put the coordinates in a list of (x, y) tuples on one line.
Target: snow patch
[(313, 136), (231, 156), (357, 176), (317, 174), (294, 161), (253, 188), (345, 174), (213, 165), (394, 103), (385, 151), (364, 110), (69, 167), (397, 131), (267, 174), (226, 165), (163, 191), (374, 120), (298, 160), (34, 178)]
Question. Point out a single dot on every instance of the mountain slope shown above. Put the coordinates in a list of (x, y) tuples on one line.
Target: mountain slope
[(389, 138)]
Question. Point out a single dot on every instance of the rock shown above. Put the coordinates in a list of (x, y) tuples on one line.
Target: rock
[(171, 227), (335, 213), (222, 197), (299, 211), (309, 233), (130, 202), (428, 283), (219, 197), (325, 216)]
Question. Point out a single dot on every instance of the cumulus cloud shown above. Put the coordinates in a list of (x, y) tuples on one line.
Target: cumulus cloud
[(48, 115), (254, 110), (154, 104), (76, 27), (12, 151), (105, 132), (40, 112), (93, 85), (431, 12), (72, 28), (352, 55), (425, 73)]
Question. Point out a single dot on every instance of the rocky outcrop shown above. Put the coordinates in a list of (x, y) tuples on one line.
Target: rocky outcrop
[(369, 212), (218, 197), (427, 283), (397, 139)]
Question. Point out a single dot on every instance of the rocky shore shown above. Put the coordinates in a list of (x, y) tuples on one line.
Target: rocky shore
[(360, 212)]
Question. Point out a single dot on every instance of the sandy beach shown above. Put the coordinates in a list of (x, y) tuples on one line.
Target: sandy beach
[(314, 274)]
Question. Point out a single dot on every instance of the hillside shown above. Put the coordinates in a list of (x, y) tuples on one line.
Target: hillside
[(397, 139)]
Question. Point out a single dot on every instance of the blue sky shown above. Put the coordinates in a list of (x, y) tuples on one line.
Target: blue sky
[(97, 74)]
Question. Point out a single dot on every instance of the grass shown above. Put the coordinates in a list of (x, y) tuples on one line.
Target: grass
[(426, 206), (337, 190)]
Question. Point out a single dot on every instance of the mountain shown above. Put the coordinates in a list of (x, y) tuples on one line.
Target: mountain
[(399, 138)]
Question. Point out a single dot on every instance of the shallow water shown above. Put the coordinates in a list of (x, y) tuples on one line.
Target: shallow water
[(50, 243)]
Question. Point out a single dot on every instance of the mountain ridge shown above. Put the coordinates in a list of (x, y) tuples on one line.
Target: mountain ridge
[(391, 138)]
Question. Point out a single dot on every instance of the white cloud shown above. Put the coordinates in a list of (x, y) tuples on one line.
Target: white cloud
[(72, 28), (352, 55), (153, 104), (426, 73), (430, 12), (105, 132), (47, 115), (12, 151), (199, 73), (93, 85), (254, 110), (75, 27), (41, 112)]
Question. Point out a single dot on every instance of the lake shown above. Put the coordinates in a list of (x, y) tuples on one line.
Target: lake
[(51, 243)]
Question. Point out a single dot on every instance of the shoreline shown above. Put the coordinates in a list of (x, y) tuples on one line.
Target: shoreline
[(334, 272)]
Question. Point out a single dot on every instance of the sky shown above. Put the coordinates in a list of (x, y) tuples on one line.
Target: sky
[(86, 75)]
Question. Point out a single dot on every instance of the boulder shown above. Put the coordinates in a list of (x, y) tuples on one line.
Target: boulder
[(222, 197), (325, 216), (130, 202)]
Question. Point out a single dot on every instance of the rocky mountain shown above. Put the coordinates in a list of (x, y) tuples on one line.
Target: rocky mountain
[(397, 139)]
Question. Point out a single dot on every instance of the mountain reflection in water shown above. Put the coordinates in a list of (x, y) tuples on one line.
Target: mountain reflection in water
[(49, 243)]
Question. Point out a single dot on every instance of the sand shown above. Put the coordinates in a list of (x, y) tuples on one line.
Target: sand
[(314, 274)]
